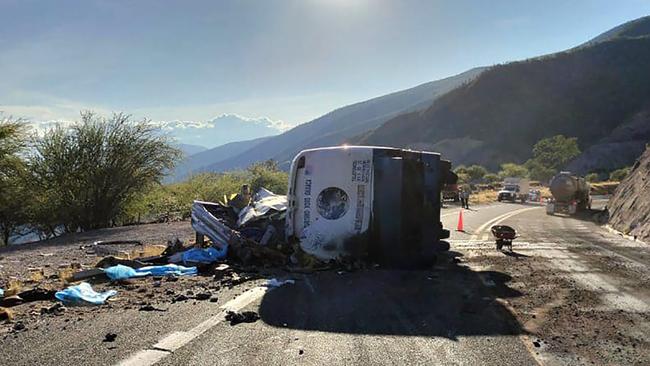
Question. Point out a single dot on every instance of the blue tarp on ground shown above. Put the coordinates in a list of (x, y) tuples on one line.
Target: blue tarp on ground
[(122, 272), (83, 294), (206, 256), (168, 269), (2, 292)]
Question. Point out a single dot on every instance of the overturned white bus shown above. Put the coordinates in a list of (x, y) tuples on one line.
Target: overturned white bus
[(379, 202)]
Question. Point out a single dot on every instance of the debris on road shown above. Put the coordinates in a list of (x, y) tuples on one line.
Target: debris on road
[(83, 294), (88, 274), (110, 337), (6, 314), (10, 301), (19, 326), (31, 295), (266, 204), (111, 261), (238, 240), (203, 296), (274, 283), (56, 309), (196, 256), (149, 307), (244, 317), (504, 236), (121, 272), (180, 298)]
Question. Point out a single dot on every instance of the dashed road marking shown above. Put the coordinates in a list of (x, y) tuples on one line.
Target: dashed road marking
[(497, 220), (176, 340)]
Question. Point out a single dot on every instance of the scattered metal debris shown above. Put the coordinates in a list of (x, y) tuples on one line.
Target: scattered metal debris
[(242, 317)]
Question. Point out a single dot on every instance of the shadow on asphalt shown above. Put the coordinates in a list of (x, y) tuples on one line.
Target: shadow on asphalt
[(598, 217), (449, 301), (514, 254), (525, 204)]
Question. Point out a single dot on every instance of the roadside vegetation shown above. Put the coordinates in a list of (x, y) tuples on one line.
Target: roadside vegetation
[(173, 201), (549, 156), (13, 191), (103, 172)]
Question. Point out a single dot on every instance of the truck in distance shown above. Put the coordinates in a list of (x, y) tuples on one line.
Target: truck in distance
[(514, 189)]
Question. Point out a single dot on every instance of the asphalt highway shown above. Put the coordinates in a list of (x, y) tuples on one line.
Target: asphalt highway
[(469, 309)]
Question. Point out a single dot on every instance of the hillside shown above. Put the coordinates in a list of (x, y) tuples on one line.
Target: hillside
[(189, 149), (599, 92), (342, 124), (629, 208), (194, 163), (633, 28)]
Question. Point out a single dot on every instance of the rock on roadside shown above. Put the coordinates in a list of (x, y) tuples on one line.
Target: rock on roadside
[(629, 207)]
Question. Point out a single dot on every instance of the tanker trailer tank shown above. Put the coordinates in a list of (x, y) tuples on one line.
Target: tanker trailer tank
[(570, 194)]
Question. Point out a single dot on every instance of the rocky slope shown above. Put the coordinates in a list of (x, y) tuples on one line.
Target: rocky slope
[(629, 208)]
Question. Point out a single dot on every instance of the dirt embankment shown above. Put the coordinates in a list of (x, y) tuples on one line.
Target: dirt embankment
[(629, 208)]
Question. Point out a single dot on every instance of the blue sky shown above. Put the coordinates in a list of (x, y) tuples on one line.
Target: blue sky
[(285, 60)]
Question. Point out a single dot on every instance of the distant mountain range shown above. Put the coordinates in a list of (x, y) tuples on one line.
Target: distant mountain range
[(199, 162), (222, 129), (598, 92), (334, 128), (189, 149)]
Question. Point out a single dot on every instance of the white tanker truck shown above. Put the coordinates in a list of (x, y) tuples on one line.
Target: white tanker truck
[(570, 194)]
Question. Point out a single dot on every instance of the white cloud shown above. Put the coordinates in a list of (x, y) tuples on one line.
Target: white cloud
[(222, 119), (222, 129)]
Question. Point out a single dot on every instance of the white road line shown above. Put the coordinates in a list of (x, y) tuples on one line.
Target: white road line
[(176, 340), (499, 219), (173, 341), (145, 357)]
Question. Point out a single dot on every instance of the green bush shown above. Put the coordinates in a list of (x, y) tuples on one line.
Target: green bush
[(556, 152), (537, 171), (15, 196), (513, 170), (268, 175), (550, 155), (619, 174), (174, 201), (472, 173), (87, 175), (491, 178), (592, 177), (463, 178)]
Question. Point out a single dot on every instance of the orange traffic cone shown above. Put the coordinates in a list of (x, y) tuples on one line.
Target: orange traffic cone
[(460, 221)]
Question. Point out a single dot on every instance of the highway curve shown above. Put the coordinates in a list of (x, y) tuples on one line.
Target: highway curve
[(570, 293)]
